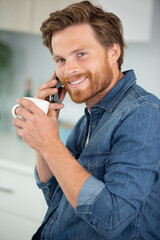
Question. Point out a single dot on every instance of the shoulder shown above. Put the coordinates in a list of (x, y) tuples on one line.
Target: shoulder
[(144, 104), (136, 100)]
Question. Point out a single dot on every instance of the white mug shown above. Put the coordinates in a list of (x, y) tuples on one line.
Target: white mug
[(42, 104)]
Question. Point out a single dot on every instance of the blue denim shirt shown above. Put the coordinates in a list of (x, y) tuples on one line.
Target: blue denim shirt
[(121, 200)]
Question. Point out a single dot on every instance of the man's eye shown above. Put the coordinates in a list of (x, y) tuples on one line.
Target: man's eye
[(81, 54), (60, 60)]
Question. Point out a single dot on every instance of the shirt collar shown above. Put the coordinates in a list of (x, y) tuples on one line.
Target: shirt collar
[(111, 99)]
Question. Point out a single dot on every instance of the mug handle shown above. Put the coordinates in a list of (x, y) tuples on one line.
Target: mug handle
[(13, 110)]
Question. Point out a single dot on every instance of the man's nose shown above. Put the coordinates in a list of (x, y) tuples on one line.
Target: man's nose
[(71, 67)]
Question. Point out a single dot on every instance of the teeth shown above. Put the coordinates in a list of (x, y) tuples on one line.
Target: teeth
[(78, 81)]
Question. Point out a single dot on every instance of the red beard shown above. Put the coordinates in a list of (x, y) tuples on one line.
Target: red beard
[(97, 82)]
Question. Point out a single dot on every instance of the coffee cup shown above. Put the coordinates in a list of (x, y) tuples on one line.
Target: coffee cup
[(42, 104)]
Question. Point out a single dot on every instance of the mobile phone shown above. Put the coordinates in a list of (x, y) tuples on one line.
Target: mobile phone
[(55, 98)]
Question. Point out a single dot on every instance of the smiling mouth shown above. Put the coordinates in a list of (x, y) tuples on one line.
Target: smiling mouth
[(77, 82)]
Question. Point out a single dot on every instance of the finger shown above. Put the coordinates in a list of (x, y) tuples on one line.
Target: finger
[(48, 84), (22, 112), (19, 123), (51, 83), (46, 93), (56, 106), (31, 106), (20, 132), (45, 88)]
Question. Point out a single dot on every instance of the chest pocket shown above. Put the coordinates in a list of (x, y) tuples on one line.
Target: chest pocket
[(95, 163)]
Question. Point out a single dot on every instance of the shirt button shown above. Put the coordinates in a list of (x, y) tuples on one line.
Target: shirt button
[(88, 165)]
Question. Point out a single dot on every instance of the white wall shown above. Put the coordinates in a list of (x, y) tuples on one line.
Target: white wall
[(145, 57), (31, 58)]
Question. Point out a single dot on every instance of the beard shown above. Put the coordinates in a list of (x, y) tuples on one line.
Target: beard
[(98, 82)]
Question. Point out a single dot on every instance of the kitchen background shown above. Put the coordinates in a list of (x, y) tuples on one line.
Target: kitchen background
[(22, 206)]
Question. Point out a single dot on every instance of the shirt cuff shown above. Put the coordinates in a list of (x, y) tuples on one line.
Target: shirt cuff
[(47, 188), (89, 191), (41, 184)]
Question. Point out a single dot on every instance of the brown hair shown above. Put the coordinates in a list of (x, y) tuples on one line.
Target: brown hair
[(106, 26)]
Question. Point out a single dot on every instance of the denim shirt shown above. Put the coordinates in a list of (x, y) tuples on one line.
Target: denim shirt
[(121, 200)]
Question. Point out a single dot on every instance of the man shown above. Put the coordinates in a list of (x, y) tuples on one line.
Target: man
[(105, 183)]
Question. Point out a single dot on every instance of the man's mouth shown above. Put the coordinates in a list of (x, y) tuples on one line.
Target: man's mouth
[(77, 82)]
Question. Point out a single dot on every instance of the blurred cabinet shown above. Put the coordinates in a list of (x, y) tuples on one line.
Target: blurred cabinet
[(28, 15), (22, 206), (42, 9), (15, 15)]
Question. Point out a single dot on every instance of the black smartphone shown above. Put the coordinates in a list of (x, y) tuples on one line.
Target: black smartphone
[(55, 98)]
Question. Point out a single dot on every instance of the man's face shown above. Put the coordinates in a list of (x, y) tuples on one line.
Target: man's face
[(81, 63)]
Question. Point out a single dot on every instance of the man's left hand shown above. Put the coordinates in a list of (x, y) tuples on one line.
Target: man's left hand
[(37, 129)]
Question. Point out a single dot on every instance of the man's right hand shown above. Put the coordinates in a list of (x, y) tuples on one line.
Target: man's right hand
[(48, 88)]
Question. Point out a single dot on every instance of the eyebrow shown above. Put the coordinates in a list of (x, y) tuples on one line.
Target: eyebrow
[(77, 50), (56, 56), (72, 53)]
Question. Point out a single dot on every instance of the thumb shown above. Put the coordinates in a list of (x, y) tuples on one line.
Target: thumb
[(53, 114)]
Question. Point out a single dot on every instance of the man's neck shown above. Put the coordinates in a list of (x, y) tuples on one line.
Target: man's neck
[(101, 95)]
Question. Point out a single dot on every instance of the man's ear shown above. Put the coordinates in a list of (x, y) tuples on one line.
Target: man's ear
[(114, 53)]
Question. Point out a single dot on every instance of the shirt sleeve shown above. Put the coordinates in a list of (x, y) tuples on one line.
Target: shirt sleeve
[(89, 191), (48, 188), (109, 205)]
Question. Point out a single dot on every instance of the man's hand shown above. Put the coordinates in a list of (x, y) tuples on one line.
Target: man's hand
[(38, 130), (47, 89)]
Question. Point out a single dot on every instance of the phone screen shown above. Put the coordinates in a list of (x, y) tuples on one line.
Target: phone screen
[(55, 98)]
